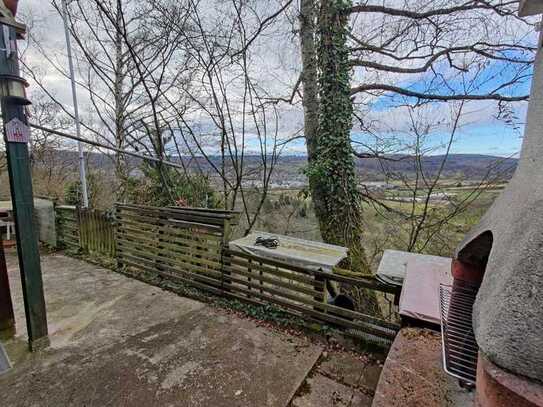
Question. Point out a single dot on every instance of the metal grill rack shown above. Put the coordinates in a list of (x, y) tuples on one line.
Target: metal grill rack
[(459, 345)]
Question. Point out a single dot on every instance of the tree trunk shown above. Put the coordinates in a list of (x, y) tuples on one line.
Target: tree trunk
[(328, 123), (121, 170), (308, 20), (308, 35)]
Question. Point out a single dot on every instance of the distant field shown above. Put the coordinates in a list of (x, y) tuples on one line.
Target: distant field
[(390, 225)]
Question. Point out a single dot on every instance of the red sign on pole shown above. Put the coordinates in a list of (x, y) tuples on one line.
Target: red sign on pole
[(17, 131), (11, 5)]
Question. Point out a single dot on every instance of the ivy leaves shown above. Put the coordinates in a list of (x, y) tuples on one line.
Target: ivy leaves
[(333, 169)]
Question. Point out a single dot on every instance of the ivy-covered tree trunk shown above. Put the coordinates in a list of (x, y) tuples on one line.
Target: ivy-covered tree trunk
[(332, 177), (310, 101)]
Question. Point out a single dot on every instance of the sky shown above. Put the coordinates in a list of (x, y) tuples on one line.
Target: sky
[(479, 133)]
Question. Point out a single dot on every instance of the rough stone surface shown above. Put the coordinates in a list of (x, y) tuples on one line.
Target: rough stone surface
[(371, 376), (413, 374), (498, 388), (508, 313), (323, 391), (351, 370), (339, 378), (344, 367), (119, 342)]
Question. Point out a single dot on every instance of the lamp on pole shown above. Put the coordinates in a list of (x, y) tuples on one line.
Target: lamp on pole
[(82, 171), (16, 136)]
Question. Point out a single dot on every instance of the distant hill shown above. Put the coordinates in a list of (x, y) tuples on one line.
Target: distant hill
[(290, 167), (462, 166), (468, 166)]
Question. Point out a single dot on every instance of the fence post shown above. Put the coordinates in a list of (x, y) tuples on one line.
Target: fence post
[(318, 281), (160, 248), (225, 262), (117, 232), (80, 230), (112, 236)]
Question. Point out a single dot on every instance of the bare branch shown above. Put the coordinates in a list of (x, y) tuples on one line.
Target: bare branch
[(430, 96)]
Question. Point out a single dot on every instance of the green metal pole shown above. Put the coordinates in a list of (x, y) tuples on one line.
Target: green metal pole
[(16, 128)]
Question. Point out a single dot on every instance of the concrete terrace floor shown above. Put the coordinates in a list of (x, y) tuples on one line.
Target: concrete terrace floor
[(116, 341)]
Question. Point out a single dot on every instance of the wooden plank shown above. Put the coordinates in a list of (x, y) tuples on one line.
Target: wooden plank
[(331, 308), (88, 229), (173, 233), (265, 279), (303, 310), (174, 248), (276, 271), (207, 215), (152, 217), (173, 238), (182, 279), (311, 302), (66, 221), (270, 262), (179, 249), (189, 275), (202, 229), (71, 239), (184, 261), (357, 282), (337, 320), (271, 290), (179, 266), (375, 330), (177, 257)]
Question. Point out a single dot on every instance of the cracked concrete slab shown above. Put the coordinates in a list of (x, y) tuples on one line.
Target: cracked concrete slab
[(120, 342), (339, 378), (354, 370), (323, 391), (344, 367)]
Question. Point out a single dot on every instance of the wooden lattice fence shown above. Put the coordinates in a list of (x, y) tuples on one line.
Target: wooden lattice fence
[(190, 246), (182, 244), (89, 230), (303, 292), (67, 221), (97, 232)]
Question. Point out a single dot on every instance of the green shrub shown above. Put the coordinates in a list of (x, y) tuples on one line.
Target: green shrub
[(167, 186)]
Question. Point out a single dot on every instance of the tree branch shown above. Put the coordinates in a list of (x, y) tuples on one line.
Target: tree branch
[(430, 96), (467, 6)]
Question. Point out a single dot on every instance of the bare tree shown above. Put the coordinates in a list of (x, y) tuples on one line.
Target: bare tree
[(118, 101), (429, 209), (441, 51), (415, 53), (51, 163), (176, 80), (226, 112)]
